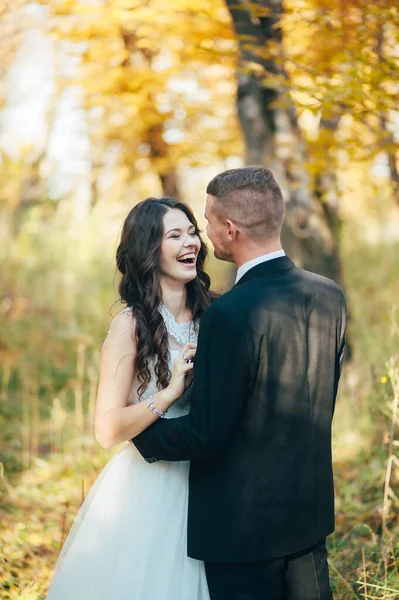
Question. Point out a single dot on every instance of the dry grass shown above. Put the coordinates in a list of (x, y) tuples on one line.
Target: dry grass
[(47, 391)]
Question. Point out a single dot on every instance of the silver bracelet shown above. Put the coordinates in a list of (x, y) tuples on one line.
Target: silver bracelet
[(150, 403)]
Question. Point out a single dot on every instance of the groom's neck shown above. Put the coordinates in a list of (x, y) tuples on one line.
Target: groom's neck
[(245, 252)]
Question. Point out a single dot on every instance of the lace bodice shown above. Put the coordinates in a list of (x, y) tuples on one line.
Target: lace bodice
[(180, 332), (178, 335)]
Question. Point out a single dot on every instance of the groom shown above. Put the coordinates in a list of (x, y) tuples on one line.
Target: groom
[(261, 498)]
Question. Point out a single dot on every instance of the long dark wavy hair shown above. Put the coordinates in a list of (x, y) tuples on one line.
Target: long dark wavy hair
[(138, 259)]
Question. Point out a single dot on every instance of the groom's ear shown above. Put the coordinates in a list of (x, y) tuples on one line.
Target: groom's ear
[(231, 230)]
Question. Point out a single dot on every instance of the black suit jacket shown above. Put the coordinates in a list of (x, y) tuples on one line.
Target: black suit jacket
[(259, 430)]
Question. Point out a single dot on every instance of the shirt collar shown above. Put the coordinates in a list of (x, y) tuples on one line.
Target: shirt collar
[(257, 261)]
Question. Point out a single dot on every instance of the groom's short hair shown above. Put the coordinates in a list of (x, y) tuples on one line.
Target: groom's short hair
[(251, 198)]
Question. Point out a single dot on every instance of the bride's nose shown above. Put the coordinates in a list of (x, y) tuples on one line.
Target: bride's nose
[(188, 241)]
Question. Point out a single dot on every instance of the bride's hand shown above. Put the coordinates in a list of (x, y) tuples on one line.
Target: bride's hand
[(182, 372)]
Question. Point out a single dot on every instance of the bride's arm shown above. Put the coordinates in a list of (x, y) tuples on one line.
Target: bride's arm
[(115, 420)]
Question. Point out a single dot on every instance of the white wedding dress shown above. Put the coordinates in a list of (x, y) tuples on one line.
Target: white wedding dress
[(128, 541)]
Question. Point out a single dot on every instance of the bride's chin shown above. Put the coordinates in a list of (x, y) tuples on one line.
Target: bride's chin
[(190, 276), (183, 279), (193, 276)]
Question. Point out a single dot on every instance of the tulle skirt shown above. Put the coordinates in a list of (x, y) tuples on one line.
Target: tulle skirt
[(128, 541)]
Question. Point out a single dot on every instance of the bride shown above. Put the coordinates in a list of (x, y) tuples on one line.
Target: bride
[(128, 541)]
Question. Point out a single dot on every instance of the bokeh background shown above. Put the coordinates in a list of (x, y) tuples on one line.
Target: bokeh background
[(106, 102)]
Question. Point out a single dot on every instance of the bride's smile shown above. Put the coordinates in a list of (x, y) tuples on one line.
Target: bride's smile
[(180, 247)]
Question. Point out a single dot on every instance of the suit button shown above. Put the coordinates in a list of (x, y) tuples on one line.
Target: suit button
[(151, 459)]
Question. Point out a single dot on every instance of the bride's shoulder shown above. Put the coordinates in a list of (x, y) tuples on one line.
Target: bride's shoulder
[(120, 341), (122, 326)]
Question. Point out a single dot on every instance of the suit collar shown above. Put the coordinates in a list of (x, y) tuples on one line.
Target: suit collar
[(267, 268)]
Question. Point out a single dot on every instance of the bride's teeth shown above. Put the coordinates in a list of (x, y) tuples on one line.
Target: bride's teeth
[(186, 257)]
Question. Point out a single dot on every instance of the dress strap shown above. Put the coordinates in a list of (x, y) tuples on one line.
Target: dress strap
[(125, 310)]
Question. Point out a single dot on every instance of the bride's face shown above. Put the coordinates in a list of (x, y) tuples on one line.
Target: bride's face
[(180, 247)]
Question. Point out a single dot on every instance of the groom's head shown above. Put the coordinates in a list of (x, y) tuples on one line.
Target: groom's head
[(244, 208)]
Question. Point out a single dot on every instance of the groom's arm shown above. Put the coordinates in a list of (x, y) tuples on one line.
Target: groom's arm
[(219, 392), (341, 350)]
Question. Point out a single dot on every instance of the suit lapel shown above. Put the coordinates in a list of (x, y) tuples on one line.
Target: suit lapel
[(283, 263)]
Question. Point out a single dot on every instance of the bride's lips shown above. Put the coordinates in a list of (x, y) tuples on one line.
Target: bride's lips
[(190, 260)]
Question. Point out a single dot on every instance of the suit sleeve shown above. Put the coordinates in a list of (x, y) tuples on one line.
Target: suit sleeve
[(218, 397), (341, 348), (341, 354)]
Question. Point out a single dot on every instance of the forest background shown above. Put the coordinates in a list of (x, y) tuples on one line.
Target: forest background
[(103, 103)]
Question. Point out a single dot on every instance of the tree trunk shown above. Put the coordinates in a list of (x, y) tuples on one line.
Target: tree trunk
[(393, 169), (34, 187), (272, 137), (33, 191), (159, 149), (387, 135)]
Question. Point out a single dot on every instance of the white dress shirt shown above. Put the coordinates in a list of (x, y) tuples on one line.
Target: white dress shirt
[(257, 261)]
